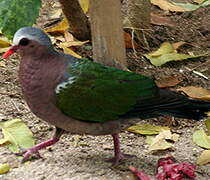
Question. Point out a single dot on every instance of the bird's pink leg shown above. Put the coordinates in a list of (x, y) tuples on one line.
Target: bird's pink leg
[(35, 150), (118, 155)]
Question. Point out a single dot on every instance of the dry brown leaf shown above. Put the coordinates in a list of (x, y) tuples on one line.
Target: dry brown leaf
[(178, 44), (196, 92), (168, 6), (161, 20), (56, 13), (199, 1), (160, 141), (60, 38), (68, 36), (2, 64), (128, 41), (166, 82)]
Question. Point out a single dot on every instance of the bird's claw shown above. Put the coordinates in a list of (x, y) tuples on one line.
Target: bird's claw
[(27, 154), (119, 158)]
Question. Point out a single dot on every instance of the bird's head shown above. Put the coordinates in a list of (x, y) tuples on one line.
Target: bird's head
[(29, 40)]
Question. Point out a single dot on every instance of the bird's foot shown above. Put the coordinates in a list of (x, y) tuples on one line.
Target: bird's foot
[(35, 150), (119, 158), (28, 153)]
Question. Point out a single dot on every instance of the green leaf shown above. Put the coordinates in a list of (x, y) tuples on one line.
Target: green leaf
[(17, 134), (201, 139), (4, 168), (166, 53), (204, 158), (16, 14), (147, 129)]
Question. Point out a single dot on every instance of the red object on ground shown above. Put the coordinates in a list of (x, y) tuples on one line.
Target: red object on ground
[(139, 174), (168, 169)]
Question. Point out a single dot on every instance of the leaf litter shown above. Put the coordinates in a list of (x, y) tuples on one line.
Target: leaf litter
[(16, 135), (4, 168), (168, 52)]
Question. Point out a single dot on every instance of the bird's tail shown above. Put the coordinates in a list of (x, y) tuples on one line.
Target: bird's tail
[(172, 104), (183, 107), (194, 109)]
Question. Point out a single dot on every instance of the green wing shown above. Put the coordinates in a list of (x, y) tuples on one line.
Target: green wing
[(98, 93)]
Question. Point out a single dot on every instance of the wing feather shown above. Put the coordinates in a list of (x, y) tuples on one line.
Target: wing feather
[(98, 93)]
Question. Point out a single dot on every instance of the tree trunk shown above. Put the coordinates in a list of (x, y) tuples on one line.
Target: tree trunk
[(107, 33), (78, 21)]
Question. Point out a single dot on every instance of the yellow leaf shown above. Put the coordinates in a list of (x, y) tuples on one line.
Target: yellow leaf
[(4, 168), (201, 139), (73, 43), (204, 158), (4, 141), (160, 141), (207, 123), (167, 52), (165, 48), (147, 129), (4, 42), (168, 6), (71, 52), (17, 133), (196, 92), (84, 5), (60, 27)]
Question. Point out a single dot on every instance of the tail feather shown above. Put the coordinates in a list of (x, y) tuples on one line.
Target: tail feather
[(172, 104), (195, 109)]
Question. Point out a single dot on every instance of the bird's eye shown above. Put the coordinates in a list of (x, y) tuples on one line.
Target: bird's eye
[(24, 42)]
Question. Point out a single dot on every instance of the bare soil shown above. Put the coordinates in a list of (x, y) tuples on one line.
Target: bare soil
[(83, 157)]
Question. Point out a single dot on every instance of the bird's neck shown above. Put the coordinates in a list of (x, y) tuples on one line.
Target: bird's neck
[(38, 78)]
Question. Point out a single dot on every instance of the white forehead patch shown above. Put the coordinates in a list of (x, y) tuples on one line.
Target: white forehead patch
[(64, 84)]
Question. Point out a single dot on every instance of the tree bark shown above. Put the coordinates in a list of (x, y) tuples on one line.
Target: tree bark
[(107, 33), (78, 21)]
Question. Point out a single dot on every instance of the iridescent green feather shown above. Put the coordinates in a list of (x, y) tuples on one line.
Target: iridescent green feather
[(99, 93)]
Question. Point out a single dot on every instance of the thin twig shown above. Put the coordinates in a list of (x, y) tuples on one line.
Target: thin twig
[(132, 42), (14, 104)]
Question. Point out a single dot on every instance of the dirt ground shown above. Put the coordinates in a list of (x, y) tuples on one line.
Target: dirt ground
[(82, 157)]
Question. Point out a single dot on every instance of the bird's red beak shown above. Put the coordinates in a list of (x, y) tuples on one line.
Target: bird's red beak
[(11, 50)]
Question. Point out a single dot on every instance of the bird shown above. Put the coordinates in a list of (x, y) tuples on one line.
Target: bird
[(80, 96)]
